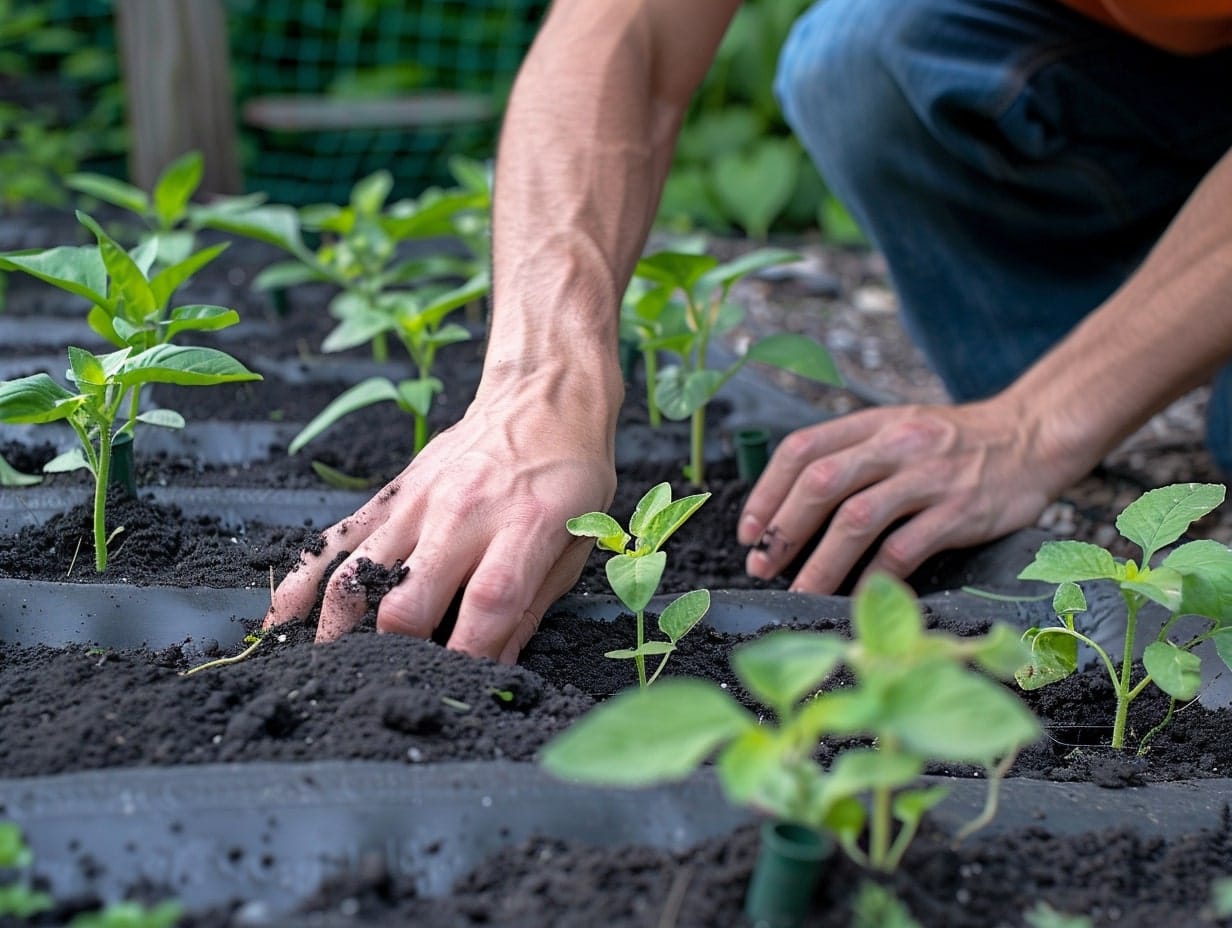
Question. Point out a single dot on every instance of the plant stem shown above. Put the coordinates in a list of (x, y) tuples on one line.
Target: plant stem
[(879, 829), (101, 478), (697, 438), (640, 660), (421, 432), (1132, 604), (224, 661), (651, 360), (380, 348)]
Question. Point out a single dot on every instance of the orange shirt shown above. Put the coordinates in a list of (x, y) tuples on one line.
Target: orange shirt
[(1187, 27)]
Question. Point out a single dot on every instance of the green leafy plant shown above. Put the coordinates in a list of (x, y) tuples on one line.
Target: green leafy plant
[(167, 212), (129, 308), (1194, 579), (635, 571), (384, 292), (914, 694), (685, 327), (876, 906)]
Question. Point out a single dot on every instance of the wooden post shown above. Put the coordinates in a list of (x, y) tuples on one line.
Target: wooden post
[(177, 78)]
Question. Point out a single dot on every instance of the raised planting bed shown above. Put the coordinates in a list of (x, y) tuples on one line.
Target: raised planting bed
[(387, 781)]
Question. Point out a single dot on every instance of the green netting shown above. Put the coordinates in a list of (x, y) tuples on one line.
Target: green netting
[(335, 48), (367, 48)]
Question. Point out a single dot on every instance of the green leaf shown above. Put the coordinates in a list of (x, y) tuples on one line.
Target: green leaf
[(145, 254), (885, 617), (860, 770), (1058, 561), (163, 418), (129, 291), (911, 805), (754, 187), (648, 649), (168, 280), (647, 736), (78, 269), (275, 225), (417, 395), (36, 398), (876, 906), (358, 327), (945, 712), (651, 503), (665, 522), (175, 187), (1161, 585), (85, 368), (678, 619), (1176, 672), (781, 667), (635, 579), (798, 354), (1069, 599), (369, 194), (750, 762), (679, 394), (729, 272), (1222, 640), (846, 819), (1054, 656), (101, 321), (1001, 652), (284, 274), (364, 393), (1206, 586), (186, 366), (73, 459), (1160, 517), (337, 479), (439, 307), (110, 190), (10, 476), (676, 269), (198, 318), (602, 527)]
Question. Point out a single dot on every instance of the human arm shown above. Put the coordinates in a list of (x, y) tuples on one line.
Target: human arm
[(585, 147), (959, 475)]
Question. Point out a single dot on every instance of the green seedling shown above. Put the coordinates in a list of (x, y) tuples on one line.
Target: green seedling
[(686, 328), (1194, 579), (10, 476), (167, 213), (129, 308), (914, 694), (251, 642), (382, 292), (132, 915), (876, 906), (635, 571)]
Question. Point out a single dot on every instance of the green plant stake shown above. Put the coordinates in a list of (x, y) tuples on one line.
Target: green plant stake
[(786, 873), (915, 695), (1194, 579), (122, 472), (634, 573), (752, 453), (682, 391)]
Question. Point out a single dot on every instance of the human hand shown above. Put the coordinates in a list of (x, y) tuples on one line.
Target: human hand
[(943, 476), (482, 508)]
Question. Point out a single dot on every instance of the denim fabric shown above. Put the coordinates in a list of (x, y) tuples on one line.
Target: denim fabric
[(1013, 160)]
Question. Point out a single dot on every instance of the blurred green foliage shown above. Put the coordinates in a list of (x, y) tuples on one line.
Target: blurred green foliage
[(737, 165)]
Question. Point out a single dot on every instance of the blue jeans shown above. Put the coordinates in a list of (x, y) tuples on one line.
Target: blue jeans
[(1013, 160)]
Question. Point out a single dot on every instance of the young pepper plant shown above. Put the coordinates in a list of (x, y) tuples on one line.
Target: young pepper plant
[(130, 310), (166, 211), (635, 571), (914, 694), (1194, 579), (682, 391)]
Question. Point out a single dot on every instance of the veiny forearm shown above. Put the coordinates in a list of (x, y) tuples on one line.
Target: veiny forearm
[(1167, 330), (586, 145)]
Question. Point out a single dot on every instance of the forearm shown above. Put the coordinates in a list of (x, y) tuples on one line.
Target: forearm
[(1167, 330), (586, 145)]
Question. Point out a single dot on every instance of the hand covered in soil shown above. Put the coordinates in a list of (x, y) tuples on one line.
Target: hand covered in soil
[(481, 510), (897, 484)]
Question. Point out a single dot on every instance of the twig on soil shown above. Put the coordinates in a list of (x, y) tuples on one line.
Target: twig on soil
[(675, 898)]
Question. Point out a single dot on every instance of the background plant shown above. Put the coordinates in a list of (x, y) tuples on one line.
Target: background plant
[(383, 289), (129, 308), (635, 571), (914, 695), (1194, 579), (686, 326)]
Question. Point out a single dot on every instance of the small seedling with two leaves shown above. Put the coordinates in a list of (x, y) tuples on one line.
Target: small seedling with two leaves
[(660, 322), (128, 308), (915, 694), (1195, 579), (635, 571)]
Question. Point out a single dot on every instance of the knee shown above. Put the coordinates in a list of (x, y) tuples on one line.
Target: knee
[(834, 87)]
